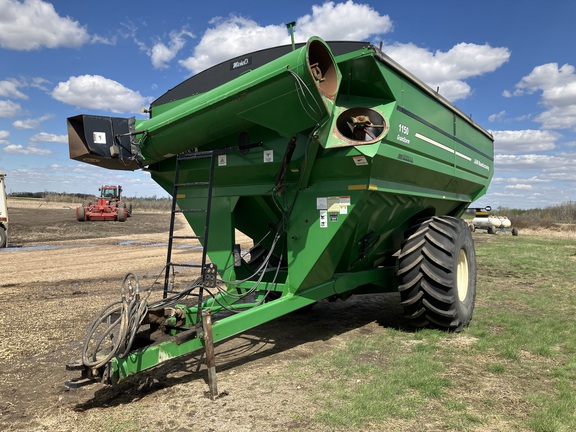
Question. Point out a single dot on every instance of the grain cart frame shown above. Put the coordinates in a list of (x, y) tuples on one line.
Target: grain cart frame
[(4, 222), (347, 172)]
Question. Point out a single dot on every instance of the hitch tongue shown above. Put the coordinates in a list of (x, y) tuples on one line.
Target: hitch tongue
[(87, 375)]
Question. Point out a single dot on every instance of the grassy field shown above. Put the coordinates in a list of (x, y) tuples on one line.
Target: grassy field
[(513, 369)]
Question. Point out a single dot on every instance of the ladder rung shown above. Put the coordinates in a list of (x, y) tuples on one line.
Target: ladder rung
[(187, 237), (196, 155), (191, 211), (186, 265), (192, 184)]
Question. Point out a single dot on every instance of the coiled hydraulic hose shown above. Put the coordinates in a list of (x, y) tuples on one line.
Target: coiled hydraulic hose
[(121, 320)]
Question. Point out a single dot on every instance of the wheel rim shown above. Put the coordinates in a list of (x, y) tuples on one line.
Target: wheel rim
[(462, 275)]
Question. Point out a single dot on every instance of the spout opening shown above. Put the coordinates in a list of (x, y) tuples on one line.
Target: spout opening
[(361, 126), (323, 69)]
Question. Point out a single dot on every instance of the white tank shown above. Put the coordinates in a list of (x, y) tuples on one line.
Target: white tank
[(491, 220)]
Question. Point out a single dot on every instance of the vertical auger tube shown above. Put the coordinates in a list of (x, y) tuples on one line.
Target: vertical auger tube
[(268, 96)]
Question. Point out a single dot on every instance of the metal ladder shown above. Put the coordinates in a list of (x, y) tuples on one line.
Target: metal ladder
[(207, 270)]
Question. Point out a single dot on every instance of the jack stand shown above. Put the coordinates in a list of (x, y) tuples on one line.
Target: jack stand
[(210, 359)]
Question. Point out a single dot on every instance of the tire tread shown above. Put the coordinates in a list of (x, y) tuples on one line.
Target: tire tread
[(426, 273)]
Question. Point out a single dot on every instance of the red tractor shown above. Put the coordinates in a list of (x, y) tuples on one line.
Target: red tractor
[(109, 207)]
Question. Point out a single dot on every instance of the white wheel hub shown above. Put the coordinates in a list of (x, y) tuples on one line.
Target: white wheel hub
[(462, 275)]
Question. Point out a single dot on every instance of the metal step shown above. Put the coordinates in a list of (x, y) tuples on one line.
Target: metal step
[(192, 184), (186, 265), (187, 237), (191, 211)]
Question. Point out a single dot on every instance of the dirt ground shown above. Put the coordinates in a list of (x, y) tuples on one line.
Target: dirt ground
[(57, 273)]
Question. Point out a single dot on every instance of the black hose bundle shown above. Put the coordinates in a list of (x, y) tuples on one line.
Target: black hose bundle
[(112, 332), (120, 321)]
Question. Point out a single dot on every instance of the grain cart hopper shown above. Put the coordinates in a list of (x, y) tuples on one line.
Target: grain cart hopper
[(347, 172), (3, 213), (108, 207)]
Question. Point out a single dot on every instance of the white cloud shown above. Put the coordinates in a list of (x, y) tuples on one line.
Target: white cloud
[(520, 186), (544, 173), (453, 89), (507, 195), (31, 150), (448, 70), (524, 141), (232, 37), (31, 123), (558, 84), (527, 162), (560, 167), (542, 188), (558, 117), (529, 180), (9, 109), (33, 24), (39, 83), (342, 21), (49, 138), (99, 39), (4, 137), (236, 35), (97, 92), (558, 87), (503, 117), (497, 117), (9, 89), (161, 54), (563, 176)]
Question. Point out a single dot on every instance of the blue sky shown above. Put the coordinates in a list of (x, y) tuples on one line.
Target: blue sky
[(511, 65)]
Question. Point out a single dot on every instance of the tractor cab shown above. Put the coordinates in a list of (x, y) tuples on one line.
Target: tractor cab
[(111, 193)]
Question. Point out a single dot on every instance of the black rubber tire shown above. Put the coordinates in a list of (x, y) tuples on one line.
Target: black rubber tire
[(491, 230), (2, 237), (80, 214), (515, 232), (437, 274), (122, 214)]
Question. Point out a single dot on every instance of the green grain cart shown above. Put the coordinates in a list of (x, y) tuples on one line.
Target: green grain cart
[(347, 173)]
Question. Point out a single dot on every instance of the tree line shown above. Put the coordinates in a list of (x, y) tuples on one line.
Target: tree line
[(139, 204)]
